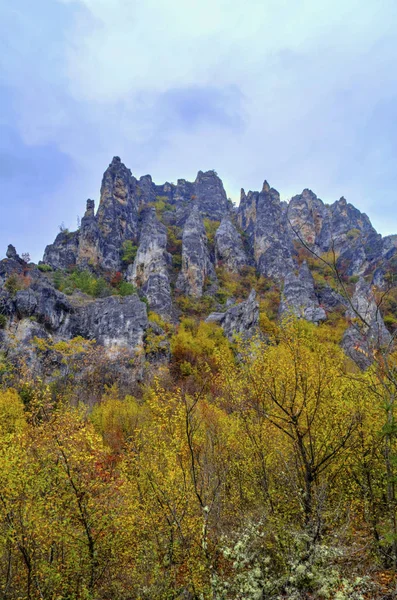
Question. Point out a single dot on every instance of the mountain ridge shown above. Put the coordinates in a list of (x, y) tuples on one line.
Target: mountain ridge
[(185, 249)]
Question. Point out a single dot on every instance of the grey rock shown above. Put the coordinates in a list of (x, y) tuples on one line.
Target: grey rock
[(196, 263), (299, 297), (52, 308), (147, 191), (210, 195), (307, 216), (150, 268), (241, 320), (367, 332), (229, 249), (26, 303), (117, 213), (113, 322), (90, 249), (330, 299), (62, 254), (13, 255), (263, 217)]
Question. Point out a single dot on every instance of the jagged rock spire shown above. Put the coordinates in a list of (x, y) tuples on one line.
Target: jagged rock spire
[(196, 263), (150, 268)]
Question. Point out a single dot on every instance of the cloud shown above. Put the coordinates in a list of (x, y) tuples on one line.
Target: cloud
[(302, 93)]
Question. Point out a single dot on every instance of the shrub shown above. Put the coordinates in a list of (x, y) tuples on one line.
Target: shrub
[(195, 306), (390, 322), (16, 282), (129, 252), (44, 268), (162, 205), (3, 321), (352, 234), (126, 289), (195, 344), (83, 281), (210, 229)]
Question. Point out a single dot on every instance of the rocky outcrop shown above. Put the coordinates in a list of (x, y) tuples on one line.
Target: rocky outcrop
[(113, 322), (367, 332), (229, 249), (62, 254), (299, 297), (206, 192), (210, 195), (13, 264), (308, 218), (240, 320), (12, 254), (197, 267), (150, 268), (263, 217), (99, 241), (330, 299), (90, 251), (117, 213)]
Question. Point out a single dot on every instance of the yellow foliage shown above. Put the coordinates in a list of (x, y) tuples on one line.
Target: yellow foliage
[(12, 417)]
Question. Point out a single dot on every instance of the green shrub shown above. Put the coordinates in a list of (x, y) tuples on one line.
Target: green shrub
[(162, 205), (129, 252), (352, 234), (126, 289), (390, 322), (3, 321), (84, 281), (44, 268)]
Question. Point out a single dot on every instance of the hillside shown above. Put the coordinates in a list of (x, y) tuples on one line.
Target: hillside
[(197, 400)]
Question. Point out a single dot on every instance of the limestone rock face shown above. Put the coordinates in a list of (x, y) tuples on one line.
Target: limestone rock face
[(345, 218), (206, 192), (13, 264), (146, 190), (299, 297), (117, 213), (363, 337), (330, 299), (196, 262), (210, 195), (340, 227), (100, 239), (90, 240), (113, 322), (40, 300), (229, 249), (62, 254), (242, 319), (150, 268), (262, 216), (307, 215)]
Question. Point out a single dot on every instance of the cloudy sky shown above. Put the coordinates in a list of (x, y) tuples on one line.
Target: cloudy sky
[(300, 92)]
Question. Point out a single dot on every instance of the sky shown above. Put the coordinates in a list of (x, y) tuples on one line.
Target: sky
[(302, 93)]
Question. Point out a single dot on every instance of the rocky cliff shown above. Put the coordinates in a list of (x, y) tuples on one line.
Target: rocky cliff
[(184, 246)]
